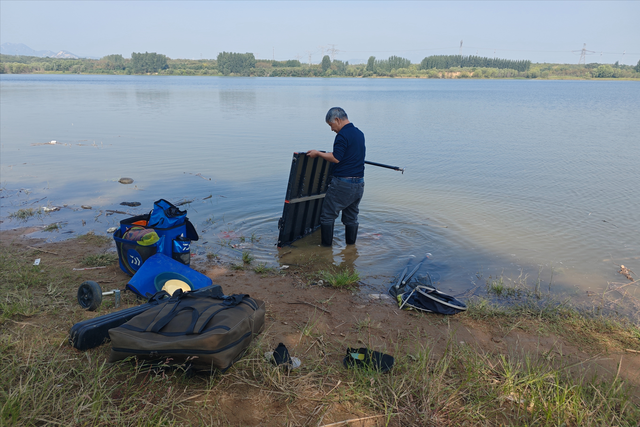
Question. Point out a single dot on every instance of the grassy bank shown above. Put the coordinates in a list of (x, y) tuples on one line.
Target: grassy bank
[(394, 67), (438, 379)]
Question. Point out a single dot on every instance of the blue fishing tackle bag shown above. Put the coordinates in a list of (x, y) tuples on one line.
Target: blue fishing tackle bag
[(174, 231)]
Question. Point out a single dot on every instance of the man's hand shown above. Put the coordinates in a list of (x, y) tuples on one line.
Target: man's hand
[(327, 156)]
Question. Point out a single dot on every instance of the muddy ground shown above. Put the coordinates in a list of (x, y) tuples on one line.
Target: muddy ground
[(340, 318)]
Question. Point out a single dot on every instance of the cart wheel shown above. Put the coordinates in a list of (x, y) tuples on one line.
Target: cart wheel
[(89, 295)]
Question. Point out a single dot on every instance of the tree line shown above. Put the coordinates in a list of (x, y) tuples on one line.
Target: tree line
[(245, 64), (444, 62)]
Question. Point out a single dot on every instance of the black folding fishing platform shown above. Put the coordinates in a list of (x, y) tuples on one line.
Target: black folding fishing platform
[(308, 182)]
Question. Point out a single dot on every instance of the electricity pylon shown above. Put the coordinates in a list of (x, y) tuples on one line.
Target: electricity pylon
[(583, 53)]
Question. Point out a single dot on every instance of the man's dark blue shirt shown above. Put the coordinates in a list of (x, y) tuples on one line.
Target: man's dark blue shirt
[(349, 150)]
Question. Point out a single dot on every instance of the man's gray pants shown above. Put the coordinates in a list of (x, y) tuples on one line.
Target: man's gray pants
[(343, 195)]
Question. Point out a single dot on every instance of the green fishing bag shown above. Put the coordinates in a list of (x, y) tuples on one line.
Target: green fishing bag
[(205, 332)]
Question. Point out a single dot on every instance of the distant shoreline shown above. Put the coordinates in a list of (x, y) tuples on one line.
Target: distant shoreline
[(342, 77), (246, 65)]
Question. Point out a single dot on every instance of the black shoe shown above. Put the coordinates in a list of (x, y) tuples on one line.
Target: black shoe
[(326, 231), (281, 355), (351, 233)]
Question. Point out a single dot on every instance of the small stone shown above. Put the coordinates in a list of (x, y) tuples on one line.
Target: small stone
[(125, 181), (112, 229), (379, 296), (85, 207)]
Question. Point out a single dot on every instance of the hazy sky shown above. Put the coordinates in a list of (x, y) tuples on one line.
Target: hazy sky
[(542, 31)]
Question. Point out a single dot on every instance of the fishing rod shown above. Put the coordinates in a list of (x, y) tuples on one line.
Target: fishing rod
[(395, 168), (404, 277)]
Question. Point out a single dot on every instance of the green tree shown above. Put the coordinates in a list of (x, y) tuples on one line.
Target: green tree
[(444, 62), (398, 62), (148, 62), (236, 63), (604, 71), (371, 64), (113, 62), (326, 63), (637, 67), (292, 63), (340, 67)]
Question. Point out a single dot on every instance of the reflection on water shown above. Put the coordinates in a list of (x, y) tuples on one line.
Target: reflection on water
[(152, 101), (233, 101), (503, 177)]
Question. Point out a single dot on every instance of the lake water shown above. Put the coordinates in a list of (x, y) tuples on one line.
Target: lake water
[(502, 176)]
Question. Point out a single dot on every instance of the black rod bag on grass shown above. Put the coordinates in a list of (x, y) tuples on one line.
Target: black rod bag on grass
[(94, 332), (204, 332)]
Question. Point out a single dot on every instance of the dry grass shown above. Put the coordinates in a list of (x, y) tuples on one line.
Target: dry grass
[(44, 381)]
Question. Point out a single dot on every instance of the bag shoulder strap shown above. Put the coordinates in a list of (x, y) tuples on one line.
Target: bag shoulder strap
[(180, 302)]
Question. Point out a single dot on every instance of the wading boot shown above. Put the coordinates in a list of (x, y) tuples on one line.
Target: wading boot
[(326, 231), (351, 233)]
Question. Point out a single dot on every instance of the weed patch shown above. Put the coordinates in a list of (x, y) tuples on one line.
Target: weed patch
[(340, 278), (95, 240), (26, 213), (263, 269), (247, 258), (237, 266), (101, 260), (52, 227), (595, 330)]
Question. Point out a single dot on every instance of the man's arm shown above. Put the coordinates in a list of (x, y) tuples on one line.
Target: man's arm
[(327, 156)]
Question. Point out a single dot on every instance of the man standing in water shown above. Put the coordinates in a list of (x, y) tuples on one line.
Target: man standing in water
[(347, 185)]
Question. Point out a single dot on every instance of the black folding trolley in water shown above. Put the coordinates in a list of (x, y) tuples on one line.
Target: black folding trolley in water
[(308, 183)]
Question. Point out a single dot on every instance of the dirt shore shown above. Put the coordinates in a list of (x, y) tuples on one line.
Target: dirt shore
[(337, 318)]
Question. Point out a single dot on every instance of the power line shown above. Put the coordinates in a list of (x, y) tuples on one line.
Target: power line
[(333, 51), (481, 48)]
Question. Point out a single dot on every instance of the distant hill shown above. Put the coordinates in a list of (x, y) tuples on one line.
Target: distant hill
[(24, 50)]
